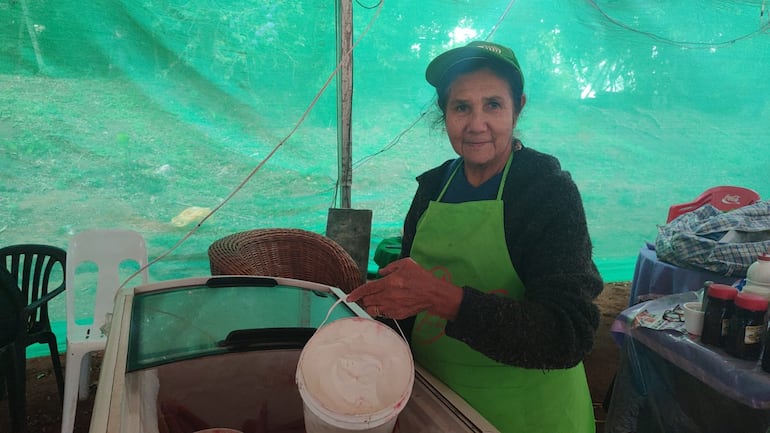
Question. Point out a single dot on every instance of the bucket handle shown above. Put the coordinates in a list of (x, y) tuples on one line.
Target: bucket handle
[(345, 299)]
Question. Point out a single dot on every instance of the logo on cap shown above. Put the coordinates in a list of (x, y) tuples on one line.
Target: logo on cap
[(492, 48)]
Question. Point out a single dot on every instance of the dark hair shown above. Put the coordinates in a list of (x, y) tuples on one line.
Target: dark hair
[(498, 68)]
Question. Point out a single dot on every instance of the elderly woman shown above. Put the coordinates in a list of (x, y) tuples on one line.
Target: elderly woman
[(496, 278)]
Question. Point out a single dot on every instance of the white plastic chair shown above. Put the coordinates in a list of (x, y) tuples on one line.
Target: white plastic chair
[(107, 249)]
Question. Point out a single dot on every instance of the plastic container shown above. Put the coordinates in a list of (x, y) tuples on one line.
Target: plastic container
[(718, 308), (746, 328), (758, 277), (759, 271), (354, 375), (757, 290)]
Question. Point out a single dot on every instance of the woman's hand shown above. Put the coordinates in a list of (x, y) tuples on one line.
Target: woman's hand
[(406, 289)]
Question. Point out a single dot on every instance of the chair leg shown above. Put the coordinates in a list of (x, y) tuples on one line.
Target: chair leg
[(14, 361), (84, 387), (72, 372), (4, 369), (56, 361)]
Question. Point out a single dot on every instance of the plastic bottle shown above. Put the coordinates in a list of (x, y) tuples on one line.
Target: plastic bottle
[(718, 309), (759, 271), (746, 328), (758, 277)]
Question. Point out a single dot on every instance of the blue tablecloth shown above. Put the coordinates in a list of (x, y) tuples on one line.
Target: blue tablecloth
[(669, 382), (654, 278)]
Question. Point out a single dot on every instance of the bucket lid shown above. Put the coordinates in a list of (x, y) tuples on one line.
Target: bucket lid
[(751, 302), (355, 369), (722, 291)]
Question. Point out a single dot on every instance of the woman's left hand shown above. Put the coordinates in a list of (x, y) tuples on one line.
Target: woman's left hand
[(406, 289)]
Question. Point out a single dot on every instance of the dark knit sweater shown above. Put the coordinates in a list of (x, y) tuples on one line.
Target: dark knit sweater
[(553, 325)]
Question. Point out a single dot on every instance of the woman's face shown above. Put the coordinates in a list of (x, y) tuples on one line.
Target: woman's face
[(480, 117)]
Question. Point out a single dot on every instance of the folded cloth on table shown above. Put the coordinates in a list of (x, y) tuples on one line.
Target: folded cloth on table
[(723, 242)]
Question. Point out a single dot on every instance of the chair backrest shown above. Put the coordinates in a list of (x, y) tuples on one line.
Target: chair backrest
[(108, 249), (724, 198), (38, 271), (288, 253)]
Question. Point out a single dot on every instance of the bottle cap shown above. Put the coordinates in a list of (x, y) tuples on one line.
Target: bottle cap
[(751, 302), (722, 291)]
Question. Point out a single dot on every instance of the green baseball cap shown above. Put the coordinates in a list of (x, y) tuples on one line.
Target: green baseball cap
[(476, 50)]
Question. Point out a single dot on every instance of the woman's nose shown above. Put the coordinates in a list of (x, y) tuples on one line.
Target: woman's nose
[(477, 121)]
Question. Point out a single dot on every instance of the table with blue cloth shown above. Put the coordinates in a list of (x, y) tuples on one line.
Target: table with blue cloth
[(669, 382), (654, 278)]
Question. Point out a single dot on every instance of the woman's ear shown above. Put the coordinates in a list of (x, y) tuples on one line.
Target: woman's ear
[(523, 100)]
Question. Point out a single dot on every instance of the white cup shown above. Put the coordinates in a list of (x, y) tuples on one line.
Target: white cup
[(693, 317)]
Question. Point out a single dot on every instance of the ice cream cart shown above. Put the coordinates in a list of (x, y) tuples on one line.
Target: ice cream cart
[(189, 354)]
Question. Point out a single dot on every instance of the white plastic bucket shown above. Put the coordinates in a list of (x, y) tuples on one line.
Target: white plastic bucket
[(218, 430), (354, 374)]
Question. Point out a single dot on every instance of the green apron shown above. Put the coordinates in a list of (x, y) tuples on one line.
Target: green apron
[(464, 243)]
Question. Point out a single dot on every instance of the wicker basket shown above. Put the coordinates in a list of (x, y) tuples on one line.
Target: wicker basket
[(288, 253)]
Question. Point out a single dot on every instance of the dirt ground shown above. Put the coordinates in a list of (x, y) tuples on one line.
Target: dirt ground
[(602, 363), (44, 407)]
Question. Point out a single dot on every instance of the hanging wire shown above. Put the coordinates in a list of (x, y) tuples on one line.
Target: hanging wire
[(379, 3), (392, 143), (423, 113), (500, 20), (685, 44), (264, 160), (301, 120)]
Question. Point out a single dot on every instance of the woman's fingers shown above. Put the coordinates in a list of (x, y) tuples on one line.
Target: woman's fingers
[(363, 291)]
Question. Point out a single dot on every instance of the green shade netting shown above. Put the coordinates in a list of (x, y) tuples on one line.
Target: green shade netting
[(127, 113)]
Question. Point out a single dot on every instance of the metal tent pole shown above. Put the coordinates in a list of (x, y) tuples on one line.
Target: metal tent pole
[(345, 99), (351, 228)]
